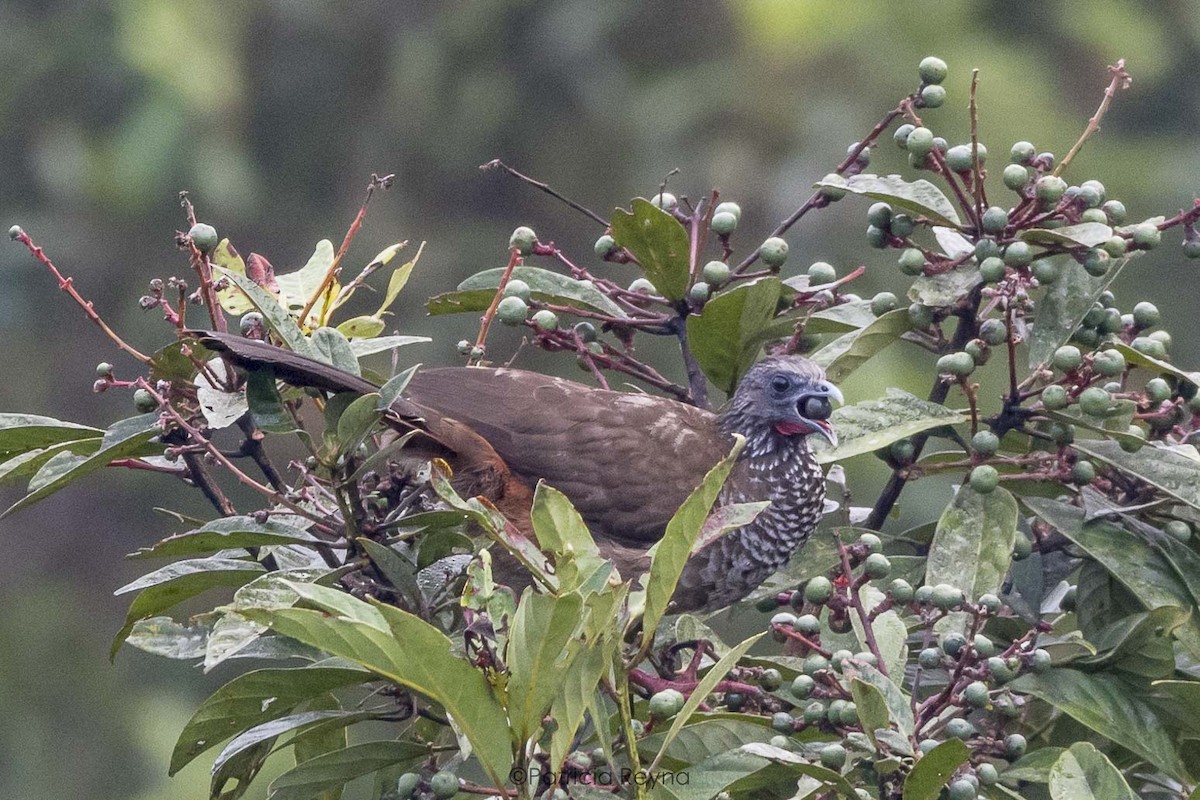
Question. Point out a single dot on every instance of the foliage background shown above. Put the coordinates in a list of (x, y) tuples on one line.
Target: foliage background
[(274, 115)]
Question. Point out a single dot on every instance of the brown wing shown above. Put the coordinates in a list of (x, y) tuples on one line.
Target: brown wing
[(627, 461)]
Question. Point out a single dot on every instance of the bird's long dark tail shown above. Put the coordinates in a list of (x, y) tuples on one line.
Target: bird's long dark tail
[(296, 369)]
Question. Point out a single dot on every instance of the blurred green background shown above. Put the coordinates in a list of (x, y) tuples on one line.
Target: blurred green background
[(275, 114)]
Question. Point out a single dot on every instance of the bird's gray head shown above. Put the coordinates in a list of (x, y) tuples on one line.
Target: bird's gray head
[(787, 396)]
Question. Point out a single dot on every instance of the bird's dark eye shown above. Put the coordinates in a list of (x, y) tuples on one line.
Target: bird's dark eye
[(780, 384), (816, 408)]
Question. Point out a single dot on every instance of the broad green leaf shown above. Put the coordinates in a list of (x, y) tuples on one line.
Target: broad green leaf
[(890, 632), (320, 740), (477, 291), (1083, 234), (333, 770), (226, 257), (367, 347), (676, 545), (872, 707), (163, 636), (398, 570), (22, 432), (170, 364), (851, 350), (391, 391), (1084, 773), (725, 336), (265, 403), (399, 277), (918, 197), (874, 424), (896, 703), (752, 770), (1064, 305), (709, 734), (658, 242), (945, 288), (1169, 470), (297, 288), (538, 656), (1139, 359), (123, 439), (930, 774), (844, 317), (224, 534), (332, 347), (357, 421), (1139, 644), (277, 317), (576, 693), (973, 543), (1109, 706), (24, 466), (561, 531), (1034, 766), (953, 243), (220, 408), (361, 327), (252, 699)]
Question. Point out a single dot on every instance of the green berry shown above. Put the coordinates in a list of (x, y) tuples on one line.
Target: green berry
[(932, 69), (946, 596), (522, 240), (819, 273), (984, 479), (15, 232), (1066, 358), (877, 237), (988, 774), (930, 658), (985, 443), (444, 784), (814, 663), (883, 302), (1054, 397), (960, 789), (990, 603), (770, 679), (1145, 315), (1095, 401), (999, 670), (834, 189), (664, 200), (992, 269), (144, 402), (586, 331), (995, 220), (833, 756), (803, 685), (808, 624), (204, 237), (783, 722), (1097, 262), (785, 618), (1163, 338), (715, 273), (919, 141), (605, 245), (666, 704), (976, 694), (1109, 363), (880, 215), (985, 249), (978, 351), (1158, 390), (773, 251), (901, 134), (901, 591), (406, 785), (728, 208), (512, 310), (871, 542), (818, 590), (952, 643), (814, 712), (1018, 254), (1150, 347), (1115, 246), (546, 319), (902, 451), (1046, 271), (919, 316), (1022, 153), (1115, 211), (1146, 235), (993, 331), (642, 286), (1191, 248), (1049, 189), (724, 223), (517, 288), (849, 715), (960, 728), (1083, 472), (877, 566), (958, 365), (959, 158), (104, 370), (1040, 661), (1015, 176), (1061, 433), (902, 225), (699, 292), (911, 261), (1178, 529), (983, 646), (1094, 215), (923, 595), (1014, 746), (933, 96)]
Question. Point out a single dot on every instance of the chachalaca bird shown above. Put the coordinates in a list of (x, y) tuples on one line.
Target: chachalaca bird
[(627, 461)]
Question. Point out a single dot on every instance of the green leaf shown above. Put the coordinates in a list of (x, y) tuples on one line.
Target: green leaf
[(676, 545), (1109, 706), (227, 259), (276, 316), (124, 439), (398, 570), (22, 432), (930, 774), (916, 197), (725, 336), (1083, 234), (225, 534), (297, 288), (658, 242), (380, 344), (973, 543), (1063, 307), (399, 277), (163, 636), (252, 699), (356, 422), (945, 288), (851, 350), (752, 770), (1139, 644), (477, 291), (874, 424), (896, 703), (561, 531), (1164, 468), (265, 403), (24, 466), (220, 408), (390, 392), (1139, 359), (332, 347), (361, 327), (538, 657), (333, 770), (872, 707), (1084, 773), (1034, 766)]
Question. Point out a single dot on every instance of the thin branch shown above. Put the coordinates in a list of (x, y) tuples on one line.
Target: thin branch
[(697, 383), (496, 163), (1119, 79), (514, 258), (203, 268)]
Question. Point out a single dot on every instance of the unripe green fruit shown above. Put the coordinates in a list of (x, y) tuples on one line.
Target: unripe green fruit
[(932, 69), (952, 643), (464, 347), (724, 223), (1097, 262), (546, 320), (1178, 529), (923, 595), (901, 134), (512, 310), (902, 225), (1014, 746), (144, 402), (984, 479), (802, 686), (818, 590), (605, 245), (1066, 358), (104, 370), (728, 208), (976, 694), (1109, 363), (985, 443), (992, 269), (1095, 401), (1191, 248), (715, 273), (785, 618), (919, 141), (444, 784), (960, 728), (1149, 347), (1040, 661), (1114, 210), (586, 331), (919, 316), (699, 292), (1022, 153), (993, 331), (877, 566), (820, 272), (871, 542), (1115, 246), (204, 237), (665, 200), (666, 704), (983, 646), (1054, 397), (930, 658), (1145, 315), (814, 663), (522, 240), (773, 251), (643, 286), (1083, 473), (1089, 197), (849, 715), (1163, 338), (978, 350), (1146, 235), (879, 215), (833, 756), (814, 712), (901, 591), (960, 789), (808, 624), (959, 365), (995, 219), (517, 288), (902, 451), (959, 158), (1049, 189), (1018, 254), (1094, 215), (1015, 176), (834, 192), (1157, 390), (1061, 433), (933, 96), (877, 237), (406, 784), (1046, 271), (946, 596), (999, 670), (911, 261), (770, 679), (783, 722), (883, 302)]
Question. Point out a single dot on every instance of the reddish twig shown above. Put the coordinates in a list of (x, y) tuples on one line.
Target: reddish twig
[(1119, 79), (514, 258)]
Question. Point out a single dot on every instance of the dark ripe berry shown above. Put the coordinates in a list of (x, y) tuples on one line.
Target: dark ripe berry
[(920, 317), (932, 69), (770, 679), (144, 402), (984, 479), (883, 303), (1015, 176), (820, 272), (879, 215), (1178, 529), (715, 273), (1066, 358), (919, 141), (1157, 390), (666, 704), (960, 728), (1115, 246), (444, 784), (1022, 153), (1018, 254), (546, 319), (517, 288), (911, 261), (1050, 189), (833, 756), (724, 223), (605, 245), (958, 365), (699, 292), (877, 566), (877, 237), (930, 658), (783, 722), (985, 249), (985, 443), (933, 96), (204, 237), (665, 200), (1146, 235), (993, 331), (818, 590), (773, 251), (802, 686), (728, 208), (512, 310), (901, 591), (835, 190), (522, 240), (995, 220), (1145, 315), (1115, 211), (992, 269), (1097, 262), (1046, 271), (1054, 397), (902, 225), (900, 137), (1083, 473)]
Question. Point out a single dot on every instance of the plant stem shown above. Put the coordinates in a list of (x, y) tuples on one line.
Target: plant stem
[(1119, 79), (496, 163)]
